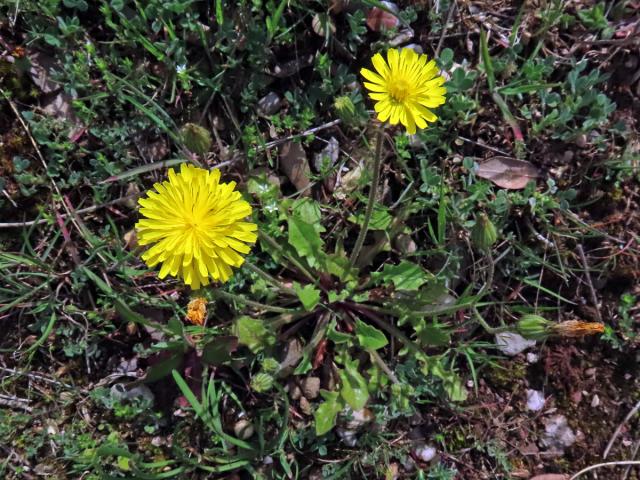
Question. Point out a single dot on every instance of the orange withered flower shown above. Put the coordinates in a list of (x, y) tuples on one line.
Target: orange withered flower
[(197, 311), (577, 328)]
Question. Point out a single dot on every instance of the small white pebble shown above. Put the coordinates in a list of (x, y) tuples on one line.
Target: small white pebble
[(532, 357), (512, 343), (424, 453), (535, 400)]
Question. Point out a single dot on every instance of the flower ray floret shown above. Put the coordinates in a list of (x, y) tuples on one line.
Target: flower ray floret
[(195, 226), (405, 88)]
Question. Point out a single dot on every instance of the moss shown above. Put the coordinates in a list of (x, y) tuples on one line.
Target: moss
[(506, 374)]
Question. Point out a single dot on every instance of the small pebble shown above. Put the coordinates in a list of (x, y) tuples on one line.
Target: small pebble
[(424, 453), (535, 400), (511, 343)]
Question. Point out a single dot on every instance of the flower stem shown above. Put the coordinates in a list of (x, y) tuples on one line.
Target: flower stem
[(267, 238), (373, 193)]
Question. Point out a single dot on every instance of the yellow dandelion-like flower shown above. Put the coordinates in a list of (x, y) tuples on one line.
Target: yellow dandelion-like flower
[(405, 87), (195, 224)]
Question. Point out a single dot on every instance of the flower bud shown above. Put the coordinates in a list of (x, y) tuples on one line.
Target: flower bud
[(345, 109), (270, 365), (483, 234), (196, 138), (534, 327), (262, 382)]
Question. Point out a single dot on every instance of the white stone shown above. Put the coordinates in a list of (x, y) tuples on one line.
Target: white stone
[(512, 343), (425, 453), (535, 400)]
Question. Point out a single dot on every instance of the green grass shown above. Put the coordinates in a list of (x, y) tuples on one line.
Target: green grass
[(400, 331)]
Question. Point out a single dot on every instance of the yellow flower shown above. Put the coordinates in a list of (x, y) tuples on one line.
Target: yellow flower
[(195, 224), (197, 311), (405, 87)]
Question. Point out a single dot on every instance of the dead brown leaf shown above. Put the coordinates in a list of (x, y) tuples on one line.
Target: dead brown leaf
[(294, 164), (378, 19), (508, 172)]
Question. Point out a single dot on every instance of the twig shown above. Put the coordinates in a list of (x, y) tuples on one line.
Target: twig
[(15, 402), (82, 211), (452, 8), (493, 149), (607, 464), (594, 297), (311, 131), (633, 411), (37, 376), (385, 368), (634, 453)]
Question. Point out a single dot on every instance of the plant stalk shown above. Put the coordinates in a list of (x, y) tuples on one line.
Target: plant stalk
[(373, 193)]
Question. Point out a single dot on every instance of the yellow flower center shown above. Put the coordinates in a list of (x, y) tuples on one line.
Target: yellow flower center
[(399, 89)]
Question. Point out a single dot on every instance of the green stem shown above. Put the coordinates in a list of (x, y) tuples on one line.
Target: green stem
[(251, 303), (385, 368), (490, 274), (373, 192), (272, 280), (485, 325), (295, 262), (483, 291)]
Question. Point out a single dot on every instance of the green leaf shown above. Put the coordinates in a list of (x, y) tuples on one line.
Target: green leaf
[(163, 368), (124, 463), (433, 335), (309, 212), (337, 337), (451, 382), (308, 295), (370, 337), (327, 413), (353, 386), (380, 218), (253, 334), (304, 237), (305, 364), (219, 350), (176, 326), (404, 276)]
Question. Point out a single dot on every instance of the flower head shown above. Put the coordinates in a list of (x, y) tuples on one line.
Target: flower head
[(405, 87), (577, 328), (196, 227)]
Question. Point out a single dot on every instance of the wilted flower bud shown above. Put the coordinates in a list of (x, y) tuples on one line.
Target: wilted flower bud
[(196, 138), (576, 328), (197, 311), (483, 234), (534, 327)]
